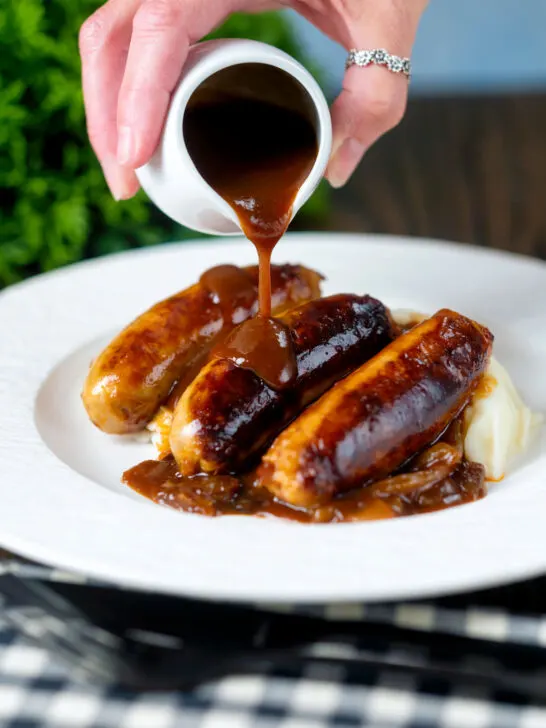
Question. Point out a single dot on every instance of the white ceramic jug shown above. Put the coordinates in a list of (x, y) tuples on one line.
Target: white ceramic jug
[(171, 179)]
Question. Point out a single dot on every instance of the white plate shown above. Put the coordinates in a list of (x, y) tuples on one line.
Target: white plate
[(61, 497)]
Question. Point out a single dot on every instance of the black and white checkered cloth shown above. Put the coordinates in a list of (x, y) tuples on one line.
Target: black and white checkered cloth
[(38, 691)]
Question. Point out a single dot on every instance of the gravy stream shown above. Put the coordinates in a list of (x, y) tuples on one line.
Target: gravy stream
[(255, 147)]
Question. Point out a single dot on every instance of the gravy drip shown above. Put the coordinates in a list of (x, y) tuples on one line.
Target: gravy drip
[(250, 132), (265, 346), (231, 288)]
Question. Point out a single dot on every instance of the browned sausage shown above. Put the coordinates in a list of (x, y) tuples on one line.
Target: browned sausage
[(133, 376), (392, 407), (228, 413)]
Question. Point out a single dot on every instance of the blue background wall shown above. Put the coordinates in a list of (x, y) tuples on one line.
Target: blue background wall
[(468, 45)]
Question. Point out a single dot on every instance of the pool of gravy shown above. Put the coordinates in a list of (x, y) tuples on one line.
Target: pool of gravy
[(217, 495), (251, 134)]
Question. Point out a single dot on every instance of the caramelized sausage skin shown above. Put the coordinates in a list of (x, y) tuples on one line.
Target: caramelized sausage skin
[(134, 375), (228, 413), (386, 411)]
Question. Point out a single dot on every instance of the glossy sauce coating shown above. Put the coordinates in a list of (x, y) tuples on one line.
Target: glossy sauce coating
[(229, 413), (250, 132), (135, 373), (392, 407)]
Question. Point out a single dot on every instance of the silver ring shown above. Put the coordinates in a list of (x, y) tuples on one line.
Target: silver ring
[(379, 57)]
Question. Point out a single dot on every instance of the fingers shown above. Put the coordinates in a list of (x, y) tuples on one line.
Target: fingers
[(372, 102), (162, 33), (132, 55), (159, 46), (104, 40), (373, 99)]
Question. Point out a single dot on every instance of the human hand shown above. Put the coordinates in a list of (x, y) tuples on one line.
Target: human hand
[(133, 52)]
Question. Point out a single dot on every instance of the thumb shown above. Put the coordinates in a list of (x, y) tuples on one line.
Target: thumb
[(373, 99)]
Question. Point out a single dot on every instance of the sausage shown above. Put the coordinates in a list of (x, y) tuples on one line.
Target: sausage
[(385, 412), (228, 413), (134, 375)]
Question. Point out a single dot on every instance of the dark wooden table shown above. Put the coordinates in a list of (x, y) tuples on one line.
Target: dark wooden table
[(470, 169)]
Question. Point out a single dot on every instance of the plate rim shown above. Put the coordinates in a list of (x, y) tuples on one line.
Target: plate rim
[(299, 236), (239, 594)]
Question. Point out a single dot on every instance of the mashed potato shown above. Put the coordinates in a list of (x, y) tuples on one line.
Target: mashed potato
[(159, 429), (498, 424)]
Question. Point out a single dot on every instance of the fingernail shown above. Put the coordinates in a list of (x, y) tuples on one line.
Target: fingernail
[(126, 145), (344, 162), (118, 180), (336, 144)]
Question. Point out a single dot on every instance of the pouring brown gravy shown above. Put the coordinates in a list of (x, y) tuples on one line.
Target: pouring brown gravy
[(251, 133)]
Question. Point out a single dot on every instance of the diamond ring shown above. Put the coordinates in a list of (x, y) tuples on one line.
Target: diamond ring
[(379, 57)]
